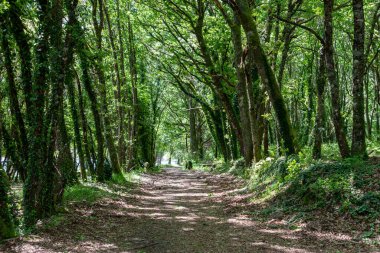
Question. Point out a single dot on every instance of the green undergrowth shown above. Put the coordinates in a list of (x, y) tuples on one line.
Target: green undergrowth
[(91, 192), (300, 187), (291, 184), (87, 192), (84, 192), (217, 166)]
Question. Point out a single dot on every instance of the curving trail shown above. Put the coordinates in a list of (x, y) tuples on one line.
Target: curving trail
[(174, 211)]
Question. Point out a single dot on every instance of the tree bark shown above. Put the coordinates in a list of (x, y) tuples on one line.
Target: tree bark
[(333, 80), (80, 47), (320, 117), (267, 76), (216, 79), (193, 130), (358, 147), (21, 133), (132, 154), (69, 83), (242, 93), (18, 30), (36, 158)]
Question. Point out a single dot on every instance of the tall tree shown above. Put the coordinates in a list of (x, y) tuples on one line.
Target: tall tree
[(267, 76), (333, 80), (358, 146)]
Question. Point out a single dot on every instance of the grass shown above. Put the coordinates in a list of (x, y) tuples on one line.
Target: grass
[(84, 192), (88, 192)]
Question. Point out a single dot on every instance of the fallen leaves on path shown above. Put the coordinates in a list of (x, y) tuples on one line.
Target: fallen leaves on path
[(177, 211)]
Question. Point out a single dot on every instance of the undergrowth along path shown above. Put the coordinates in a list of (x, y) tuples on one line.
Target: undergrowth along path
[(174, 211)]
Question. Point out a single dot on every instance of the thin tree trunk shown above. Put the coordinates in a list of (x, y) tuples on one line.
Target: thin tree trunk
[(18, 30), (84, 64), (69, 83), (98, 25), (132, 154), (320, 117), (193, 130), (14, 103), (122, 125)]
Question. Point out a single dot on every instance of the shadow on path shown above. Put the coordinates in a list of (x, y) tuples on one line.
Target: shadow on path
[(174, 211)]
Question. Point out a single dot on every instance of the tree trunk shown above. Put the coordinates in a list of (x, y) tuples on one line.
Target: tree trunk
[(7, 229), (122, 125), (37, 147), (320, 117), (98, 26), (358, 147), (217, 83), (84, 64), (14, 103), (242, 94), (267, 76), (132, 154), (333, 80), (193, 131), (69, 83), (119, 83), (18, 30)]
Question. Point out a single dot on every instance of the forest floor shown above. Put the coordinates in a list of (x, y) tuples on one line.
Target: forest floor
[(177, 211)]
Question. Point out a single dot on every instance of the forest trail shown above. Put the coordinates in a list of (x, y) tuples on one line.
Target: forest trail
[(174, 211)]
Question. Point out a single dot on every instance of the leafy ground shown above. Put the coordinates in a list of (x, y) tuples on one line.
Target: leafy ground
[(177, 211)]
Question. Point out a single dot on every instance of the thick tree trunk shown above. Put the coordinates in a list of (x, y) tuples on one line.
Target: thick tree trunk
[(242, 94), (267, 76), (358, 147), (36, 158), (217, 83), (256, 104), (333, 80)]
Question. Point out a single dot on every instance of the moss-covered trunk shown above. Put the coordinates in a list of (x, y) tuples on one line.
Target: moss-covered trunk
[(7, 229)]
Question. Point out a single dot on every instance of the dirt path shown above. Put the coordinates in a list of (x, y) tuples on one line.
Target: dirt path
[(175, 211)]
